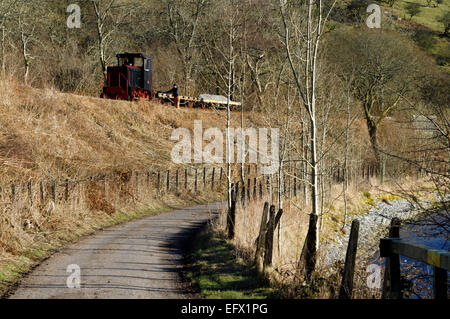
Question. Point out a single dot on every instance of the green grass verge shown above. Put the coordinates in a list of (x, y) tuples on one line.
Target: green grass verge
[(215, 273), (428, 16)]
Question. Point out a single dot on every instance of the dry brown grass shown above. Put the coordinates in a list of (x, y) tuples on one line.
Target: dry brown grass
[(289, 238), (288, 242), (50, 136), (30, 232), (47, 134)]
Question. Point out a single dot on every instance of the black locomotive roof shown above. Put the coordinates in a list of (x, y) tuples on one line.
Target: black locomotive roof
[(126, 54)]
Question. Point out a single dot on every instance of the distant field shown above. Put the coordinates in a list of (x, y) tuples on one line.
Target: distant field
[(428, 16)]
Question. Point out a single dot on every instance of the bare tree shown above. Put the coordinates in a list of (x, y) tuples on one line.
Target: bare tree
[(25, 21), (110, 15), (308, 36), (220, 51), (6, 10), (429, 154), (384, 68), (184, 18)]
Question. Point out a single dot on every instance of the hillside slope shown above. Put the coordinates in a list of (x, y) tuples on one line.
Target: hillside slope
[(44, 133), (47, 137)]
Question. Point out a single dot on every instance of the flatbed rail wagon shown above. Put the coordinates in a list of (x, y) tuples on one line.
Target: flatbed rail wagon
[(204, 101)]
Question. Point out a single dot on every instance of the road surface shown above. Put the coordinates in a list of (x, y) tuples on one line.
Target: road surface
[(139, 259)]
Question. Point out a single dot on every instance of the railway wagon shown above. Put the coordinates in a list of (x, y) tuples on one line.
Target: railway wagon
[(204, 101)]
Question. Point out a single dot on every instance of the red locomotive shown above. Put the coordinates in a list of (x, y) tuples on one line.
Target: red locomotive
[(131, 79)]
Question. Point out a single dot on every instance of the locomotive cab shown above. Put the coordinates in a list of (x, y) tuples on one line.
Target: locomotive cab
[(131, 79)]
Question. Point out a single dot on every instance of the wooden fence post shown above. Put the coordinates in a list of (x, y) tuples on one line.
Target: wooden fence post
[(260, 190), (41, 191), (13, 192), (271, 226), (66, 189), (260, 241), (391, 284), (439, 283), (195, 181), (204, 177), (168, 180), (53, 188), (158, 181), (212, 178), (349, 267)]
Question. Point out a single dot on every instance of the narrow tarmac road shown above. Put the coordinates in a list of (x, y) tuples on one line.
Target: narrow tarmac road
[(139, 259)]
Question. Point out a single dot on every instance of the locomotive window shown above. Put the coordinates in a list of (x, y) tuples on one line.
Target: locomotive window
[(132, 61), (124, 61), (139, 62)]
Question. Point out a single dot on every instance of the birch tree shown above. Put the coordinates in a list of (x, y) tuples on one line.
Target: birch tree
[(184, 18), (6, 10), (304, 63), (220, 51), (26, 20), (109, 16), (384, 68)]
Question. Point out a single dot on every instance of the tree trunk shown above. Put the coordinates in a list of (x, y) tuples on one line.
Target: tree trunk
[(372, 128), (312, 239), (3, 51)]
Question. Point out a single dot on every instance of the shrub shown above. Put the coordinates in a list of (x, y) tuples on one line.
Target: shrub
[(424, 39), (445, 20), (413, 9), (357, 10)]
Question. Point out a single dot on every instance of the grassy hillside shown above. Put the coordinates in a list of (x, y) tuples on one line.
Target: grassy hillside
[(50, 136), (44, 133), (428, 16)]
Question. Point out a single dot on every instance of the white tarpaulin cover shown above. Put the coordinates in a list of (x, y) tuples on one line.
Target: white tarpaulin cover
[(220, 98)]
